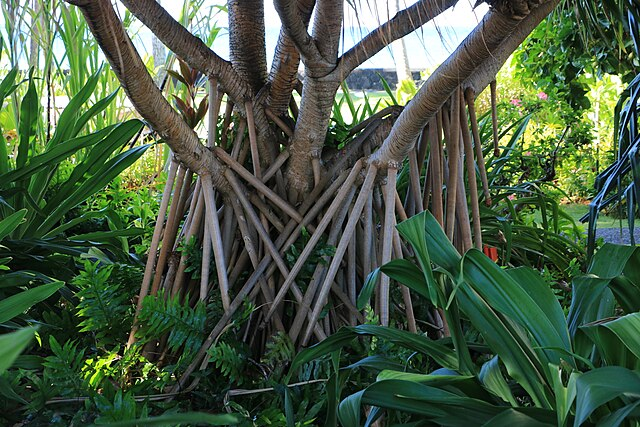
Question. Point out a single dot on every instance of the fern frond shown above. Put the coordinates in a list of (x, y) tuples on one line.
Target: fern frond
[(64, 367), (103, 305), (229, 361), (159, 316)]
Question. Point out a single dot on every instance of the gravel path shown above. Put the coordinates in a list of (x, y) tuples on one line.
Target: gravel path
[(615, 235)]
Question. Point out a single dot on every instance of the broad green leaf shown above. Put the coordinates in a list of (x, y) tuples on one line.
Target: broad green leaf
[(441, 354), (509, 342), (513, 417), (17, 304), (441, 406), (367, 289), (494, 381), (441, 251), (8, 84), (627, 292), (616, 340), (92, 185), (413, 230), (406, 272), (29, 114), (467, 385), (565, 396), (600, 386), (52, 157), (11, 345), (592, 300), (508, 296), (11, 222), (377, 363), (101, 236), (613, 260), (618, 417), (349, 410), (626, 329)]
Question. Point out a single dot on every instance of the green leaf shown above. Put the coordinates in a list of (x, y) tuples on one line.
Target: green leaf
[(17, 304), (565, 396), (68, 125), (502, 292), (444, 356), (11, 345), (11, 222), (514, 417), (101, 236), (29, 114), (367, 289), (618, 417), (596, 388), (349, 410), (54, 155), (509, 342), (413, 230), (494, 381), (613, 260), (592, 300), (95, 183), (432, 402), (93, 164), (188, 418), (617, 340)]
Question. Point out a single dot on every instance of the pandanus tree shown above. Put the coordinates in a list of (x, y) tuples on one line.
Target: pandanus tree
[(269, 177)]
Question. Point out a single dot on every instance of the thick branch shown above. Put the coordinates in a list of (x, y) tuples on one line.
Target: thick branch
[(284, 68), (327, 26), (486, 73), (296, 27), (246, 41), (405, 22), (284, 74), (144, 94), (483, 43), (184, 44)]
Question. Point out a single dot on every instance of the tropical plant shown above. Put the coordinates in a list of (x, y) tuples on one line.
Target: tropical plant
[(621, 180), (267, 141), (529, 363), (14, 305), (32, 179)]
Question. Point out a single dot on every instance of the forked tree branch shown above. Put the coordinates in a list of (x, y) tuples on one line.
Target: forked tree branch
[(283, 77), (142, 91), (327, 26), (247, 41), (294, 24), (187, 46), (403, 23), (484, 42)]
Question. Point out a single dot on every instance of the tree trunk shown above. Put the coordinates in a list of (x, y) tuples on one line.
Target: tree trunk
[(335, 195)]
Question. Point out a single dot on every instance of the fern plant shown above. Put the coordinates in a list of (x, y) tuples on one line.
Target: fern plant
[(63, 368), (160, 315), (104, 305), (230, 361), (279, 354)]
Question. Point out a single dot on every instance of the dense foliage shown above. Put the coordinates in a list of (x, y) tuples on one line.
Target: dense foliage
[(542, 331)]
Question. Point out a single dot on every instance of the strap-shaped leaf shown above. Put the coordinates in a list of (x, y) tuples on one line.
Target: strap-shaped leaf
[(17, 304)]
